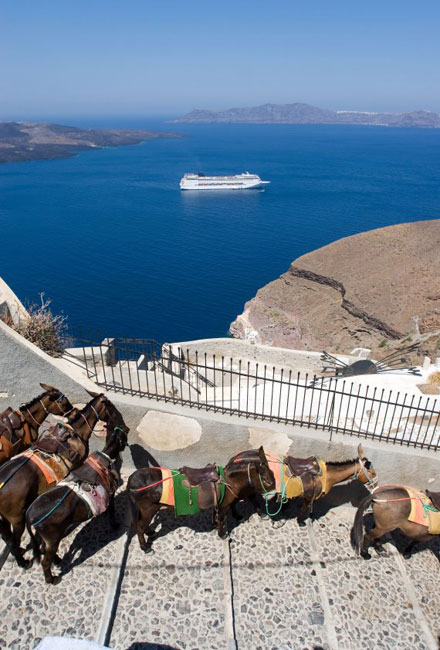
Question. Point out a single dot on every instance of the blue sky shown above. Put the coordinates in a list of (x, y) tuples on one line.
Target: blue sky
[(151, 57)]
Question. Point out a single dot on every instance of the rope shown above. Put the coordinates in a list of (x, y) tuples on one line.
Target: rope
[(58, 503), (147, 487), (282, 499)]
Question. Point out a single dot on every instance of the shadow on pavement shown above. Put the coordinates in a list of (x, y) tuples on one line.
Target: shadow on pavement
[(94, 536), (142, 458), (352, 493)]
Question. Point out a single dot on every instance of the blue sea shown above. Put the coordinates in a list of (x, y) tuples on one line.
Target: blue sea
[(112, 241)]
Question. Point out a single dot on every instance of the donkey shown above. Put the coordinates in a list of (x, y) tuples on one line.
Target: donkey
[(313, 479), (60, 450), (391, 505), (19, 429), (87, 492), (241, 477)]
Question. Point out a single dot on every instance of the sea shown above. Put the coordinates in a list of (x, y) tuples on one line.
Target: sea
[(110, 239)]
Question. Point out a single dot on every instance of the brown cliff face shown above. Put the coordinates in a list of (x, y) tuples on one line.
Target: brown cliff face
[(360, 291)]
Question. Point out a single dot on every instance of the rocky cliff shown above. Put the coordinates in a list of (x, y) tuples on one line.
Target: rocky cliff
[(360, 291), (21, 141)]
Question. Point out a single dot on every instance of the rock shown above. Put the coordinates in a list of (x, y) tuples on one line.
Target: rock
[(360, 291)]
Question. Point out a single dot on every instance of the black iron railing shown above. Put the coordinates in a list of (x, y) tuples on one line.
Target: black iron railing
[(218, 383)]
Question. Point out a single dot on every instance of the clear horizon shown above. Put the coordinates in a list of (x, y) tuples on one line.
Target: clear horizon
[(151, 59)]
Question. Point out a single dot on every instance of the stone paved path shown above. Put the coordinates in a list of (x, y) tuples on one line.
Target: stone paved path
[(271, 587)]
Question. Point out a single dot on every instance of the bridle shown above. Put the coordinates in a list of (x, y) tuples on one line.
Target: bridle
[(98, 419), (370, 481), (265, 491), (47, 412), (120, 434)]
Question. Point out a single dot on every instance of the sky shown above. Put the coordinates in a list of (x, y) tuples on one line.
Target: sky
[(166, 57)]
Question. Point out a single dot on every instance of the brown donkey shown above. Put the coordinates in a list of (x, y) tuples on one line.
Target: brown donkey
[(397, 506), (312, 479), (63, 448), (241, 477), (87, 492), (19, 429)]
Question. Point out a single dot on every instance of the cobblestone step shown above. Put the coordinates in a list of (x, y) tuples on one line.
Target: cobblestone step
[(272, 587)]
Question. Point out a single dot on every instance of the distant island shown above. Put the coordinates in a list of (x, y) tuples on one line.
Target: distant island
[(21, 141), (305, 114)]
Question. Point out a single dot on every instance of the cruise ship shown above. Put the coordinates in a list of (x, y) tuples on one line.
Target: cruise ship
[(244, 181)]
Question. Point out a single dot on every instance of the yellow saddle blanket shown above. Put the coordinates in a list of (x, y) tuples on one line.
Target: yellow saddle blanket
[(292, 486)]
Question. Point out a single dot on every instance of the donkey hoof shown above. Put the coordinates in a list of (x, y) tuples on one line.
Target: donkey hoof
[(366, 555), (278, 524), (27, 564), (301, 523), (53, 580)]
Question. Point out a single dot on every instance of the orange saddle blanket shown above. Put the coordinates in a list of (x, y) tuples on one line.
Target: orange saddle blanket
[(423, 512)]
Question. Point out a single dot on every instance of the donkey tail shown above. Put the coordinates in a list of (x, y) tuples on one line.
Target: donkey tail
[(35, 538), (134, 508), (357, 531)]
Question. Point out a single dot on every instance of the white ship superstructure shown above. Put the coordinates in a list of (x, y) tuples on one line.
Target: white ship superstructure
[(244, 181)]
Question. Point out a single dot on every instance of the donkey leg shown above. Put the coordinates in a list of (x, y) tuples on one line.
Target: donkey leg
[(222, 522), (370, 538), (237, 516), (416, 535), (5, 531), (143, 525), (16, 550), (51, 547), (306, 509), (112, 514)]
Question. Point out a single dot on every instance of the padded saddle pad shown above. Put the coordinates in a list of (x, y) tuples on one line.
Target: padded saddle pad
[(191, 500)]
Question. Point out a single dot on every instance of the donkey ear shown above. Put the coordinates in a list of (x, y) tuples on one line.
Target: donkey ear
[(47, 387), (90, 392), (262, 455), (361, 453)]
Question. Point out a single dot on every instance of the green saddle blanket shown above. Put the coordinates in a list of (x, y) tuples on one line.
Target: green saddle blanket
[(188, 501)]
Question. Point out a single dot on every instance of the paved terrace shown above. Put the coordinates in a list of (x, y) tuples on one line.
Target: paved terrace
[(270, 587)]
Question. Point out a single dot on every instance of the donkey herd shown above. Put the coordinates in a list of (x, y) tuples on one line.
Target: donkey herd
[(50, 483)]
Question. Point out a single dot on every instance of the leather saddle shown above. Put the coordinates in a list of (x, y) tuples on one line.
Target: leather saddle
[(299, 466), (54, 440), (205, 480), (435, 498), (10, 423), (196, 477)]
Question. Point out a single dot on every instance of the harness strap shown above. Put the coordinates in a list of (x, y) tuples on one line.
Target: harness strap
[(147, 487), (86, 421), (91, 460), (27, 459), (36, 421), (57, 504)]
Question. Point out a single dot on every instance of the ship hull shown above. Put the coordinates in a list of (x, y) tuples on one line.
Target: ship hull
[(223, 188)]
